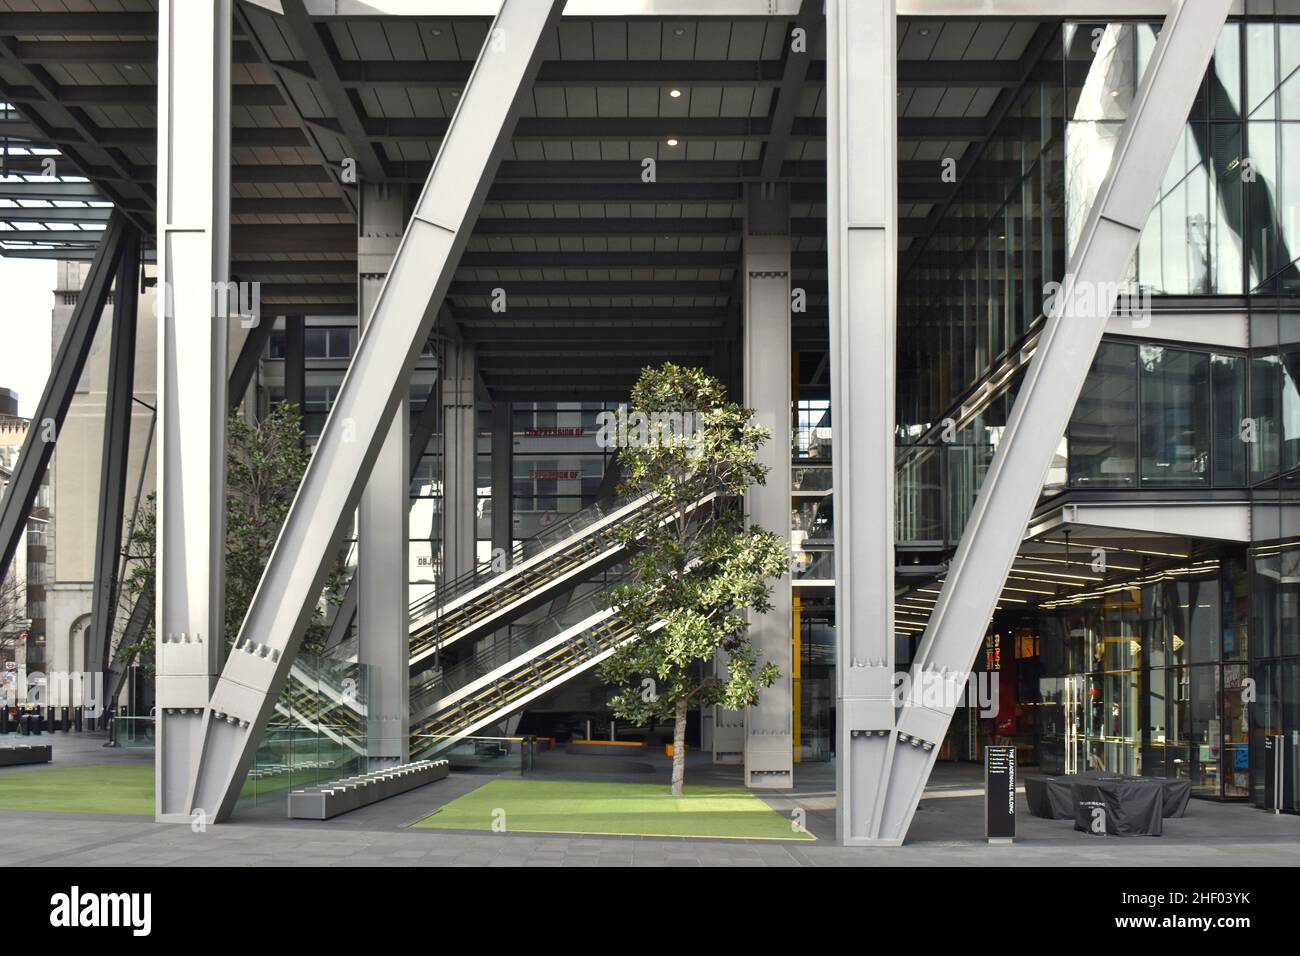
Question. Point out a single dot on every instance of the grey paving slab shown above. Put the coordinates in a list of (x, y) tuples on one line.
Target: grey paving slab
[(947, 831)]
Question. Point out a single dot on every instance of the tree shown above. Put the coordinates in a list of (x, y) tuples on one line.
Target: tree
[(265, 466), (13, 612), (697, 569), (265, 463), (13, 605), (137, 585)]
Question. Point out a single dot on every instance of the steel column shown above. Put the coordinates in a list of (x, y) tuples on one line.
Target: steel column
[(193, 342), (60, 388), (375, 384), (250, 355), (423, 428), (503, 448), (295, 361), (118, 406), (1046, 399), (457, 383), (383, 517), (769, 754), (862, 215)]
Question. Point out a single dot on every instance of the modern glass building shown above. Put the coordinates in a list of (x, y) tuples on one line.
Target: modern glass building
[(1013, 283)]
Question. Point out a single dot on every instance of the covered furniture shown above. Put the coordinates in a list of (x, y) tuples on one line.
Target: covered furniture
[(1051, 797), (1119, 806)]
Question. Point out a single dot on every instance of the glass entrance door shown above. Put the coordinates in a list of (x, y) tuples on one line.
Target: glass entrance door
[(1074, 736)]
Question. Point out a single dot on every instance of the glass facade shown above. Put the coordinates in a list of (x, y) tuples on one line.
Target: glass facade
[(1275, 528), (1150, 416), (1155, 416), (1172, 666), (1145, 677)]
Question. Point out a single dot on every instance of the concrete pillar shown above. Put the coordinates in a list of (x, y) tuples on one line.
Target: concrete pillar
[(769, 755), (459, 444), (383, 517), (503, 447), (193, 256)]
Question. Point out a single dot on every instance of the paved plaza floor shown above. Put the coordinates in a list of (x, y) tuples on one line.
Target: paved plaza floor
[(947, 830)]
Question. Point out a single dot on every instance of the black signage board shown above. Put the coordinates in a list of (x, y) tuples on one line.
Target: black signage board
[(1000, 794), (1273, 773)]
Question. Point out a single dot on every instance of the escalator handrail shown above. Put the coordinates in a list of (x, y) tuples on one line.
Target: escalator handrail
[(538, 543), (521, 640)]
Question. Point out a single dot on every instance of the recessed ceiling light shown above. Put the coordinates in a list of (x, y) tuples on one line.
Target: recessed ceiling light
[(924, 31), (674, 93), (679, 31), (436, 32), (672, 142), (1114, 92)]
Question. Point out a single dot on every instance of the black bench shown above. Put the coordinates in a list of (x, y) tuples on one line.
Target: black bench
[(17, 756)]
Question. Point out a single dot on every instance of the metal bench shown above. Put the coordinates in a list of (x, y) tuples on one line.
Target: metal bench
[(351, 793)]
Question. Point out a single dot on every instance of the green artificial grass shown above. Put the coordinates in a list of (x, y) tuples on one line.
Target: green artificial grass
[(114, 788), (108, 788), (628, 809)]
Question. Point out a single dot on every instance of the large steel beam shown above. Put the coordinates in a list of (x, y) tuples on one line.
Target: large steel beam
[(253, 24), (118, 405), (862, 216), (769, 754), (65, 373), (323, 60), (193, 341), (374, 385), (794, 76), (1051, 387), (383, 518), (458, 385)]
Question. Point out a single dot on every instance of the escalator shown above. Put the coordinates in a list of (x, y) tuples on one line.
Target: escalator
[(503, 676), (545, 565), (323, 702)]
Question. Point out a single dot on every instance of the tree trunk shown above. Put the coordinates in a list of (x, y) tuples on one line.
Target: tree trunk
[(679, 748)]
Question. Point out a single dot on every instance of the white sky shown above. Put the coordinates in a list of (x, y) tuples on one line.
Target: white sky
[(26, 301)]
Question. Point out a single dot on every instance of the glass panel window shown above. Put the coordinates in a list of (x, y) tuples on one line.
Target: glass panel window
[(1175, 416), (1103, 431), (1228, 380)]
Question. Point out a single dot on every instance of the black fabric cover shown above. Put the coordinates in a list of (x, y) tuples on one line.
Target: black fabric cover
[(1051, 798), (1132, 806), (1178, 793)]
